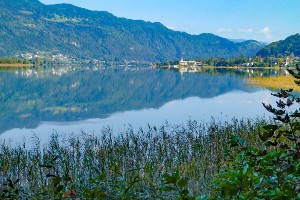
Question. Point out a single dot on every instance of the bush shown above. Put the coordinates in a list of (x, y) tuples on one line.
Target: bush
[(270, 171)]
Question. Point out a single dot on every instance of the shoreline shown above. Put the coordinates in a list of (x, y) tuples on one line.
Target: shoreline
[(241, 67), (14, 65), (225, 67)]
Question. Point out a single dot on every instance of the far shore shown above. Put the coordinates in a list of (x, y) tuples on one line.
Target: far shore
[(241, 67), (234, 67)]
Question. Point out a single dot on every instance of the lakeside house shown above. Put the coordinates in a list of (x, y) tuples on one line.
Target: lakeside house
[(189, 66), (189, 63)]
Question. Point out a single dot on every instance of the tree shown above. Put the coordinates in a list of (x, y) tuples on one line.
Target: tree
[(280, 61), (292, 55), (211, 62), (272, 170)]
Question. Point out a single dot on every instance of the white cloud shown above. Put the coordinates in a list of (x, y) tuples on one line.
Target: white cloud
[(245, 30), (223, 30), (267, 32)]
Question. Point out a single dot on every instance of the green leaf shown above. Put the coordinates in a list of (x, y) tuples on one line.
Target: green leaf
[(170, 179), (168, 188), (182, 182), (56, 181), (102, 176), (58, 189), (298, 167), (185, 192), (267, 132)]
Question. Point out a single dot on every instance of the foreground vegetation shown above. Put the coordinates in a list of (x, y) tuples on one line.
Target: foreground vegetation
[(165, 162), (272, 170), (243, 159)]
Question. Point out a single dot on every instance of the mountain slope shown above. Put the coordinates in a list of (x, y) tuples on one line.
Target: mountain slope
[(29, 26), (282, 48)]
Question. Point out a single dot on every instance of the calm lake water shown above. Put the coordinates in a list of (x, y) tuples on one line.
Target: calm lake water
[(71, 100)]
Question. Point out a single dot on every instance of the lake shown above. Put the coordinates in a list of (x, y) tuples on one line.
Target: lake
[(76, 99)]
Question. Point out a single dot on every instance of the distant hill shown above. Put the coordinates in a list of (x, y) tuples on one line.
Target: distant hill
[(282, 48), (29, 26), (242, 40), (237, 40)]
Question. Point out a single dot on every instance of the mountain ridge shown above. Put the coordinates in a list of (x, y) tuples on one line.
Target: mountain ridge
[(286, 47), (30, 26)]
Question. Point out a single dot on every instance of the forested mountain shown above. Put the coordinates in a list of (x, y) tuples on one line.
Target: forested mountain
[(291, 45), (30, 26)]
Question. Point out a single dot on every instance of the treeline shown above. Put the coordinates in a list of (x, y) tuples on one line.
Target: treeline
[(35, 61), (238, 61), (14, 61), (256, 61)]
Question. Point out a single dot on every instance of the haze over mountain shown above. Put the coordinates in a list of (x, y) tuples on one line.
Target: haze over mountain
[(291, 45), (30, 26)]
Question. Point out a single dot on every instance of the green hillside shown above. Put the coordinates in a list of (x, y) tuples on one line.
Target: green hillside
[(30, 26), (291, 45)]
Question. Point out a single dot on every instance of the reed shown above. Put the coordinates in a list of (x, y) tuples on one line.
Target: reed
[(275, 83), (132, 165)]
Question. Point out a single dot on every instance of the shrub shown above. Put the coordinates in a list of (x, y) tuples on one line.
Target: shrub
[(270, 171)]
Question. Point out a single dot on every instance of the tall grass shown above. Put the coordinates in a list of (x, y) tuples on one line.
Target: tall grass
[(131, 165), (275, 83)]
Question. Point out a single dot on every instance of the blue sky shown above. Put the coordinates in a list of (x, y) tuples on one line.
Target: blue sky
[(263, 20)]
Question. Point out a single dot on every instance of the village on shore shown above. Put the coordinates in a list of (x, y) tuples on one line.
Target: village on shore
[(255, 62)]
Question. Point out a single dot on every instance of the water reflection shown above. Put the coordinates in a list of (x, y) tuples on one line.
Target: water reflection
[(31, 97), (224, 107)]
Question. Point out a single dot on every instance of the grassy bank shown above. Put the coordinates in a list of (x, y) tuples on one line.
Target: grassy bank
[(278, 82), (134, 165), (14, 65)]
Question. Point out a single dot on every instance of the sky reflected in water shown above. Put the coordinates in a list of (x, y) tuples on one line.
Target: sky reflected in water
[(71, 101)]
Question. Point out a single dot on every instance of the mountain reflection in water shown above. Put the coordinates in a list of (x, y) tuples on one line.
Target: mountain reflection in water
[(30, 98)]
